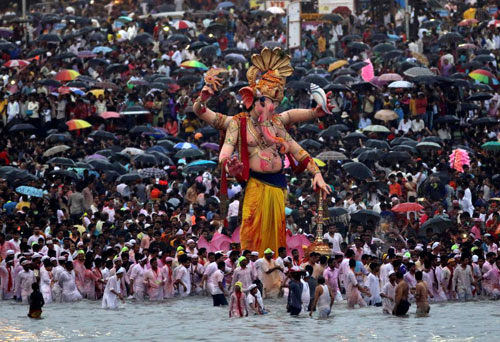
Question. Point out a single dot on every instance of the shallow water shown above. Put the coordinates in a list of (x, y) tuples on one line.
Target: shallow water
[(194, 319)]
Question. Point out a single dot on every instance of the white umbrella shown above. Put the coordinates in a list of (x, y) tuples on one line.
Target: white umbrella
[(132, 151), (55, 150), (401, 84), (276, 10)]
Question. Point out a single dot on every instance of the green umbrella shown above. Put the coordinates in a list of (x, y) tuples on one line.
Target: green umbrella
[(491, 146)]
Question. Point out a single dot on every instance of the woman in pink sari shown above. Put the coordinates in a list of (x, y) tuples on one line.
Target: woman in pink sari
[(99, 284), (238, 302), (89, 281)]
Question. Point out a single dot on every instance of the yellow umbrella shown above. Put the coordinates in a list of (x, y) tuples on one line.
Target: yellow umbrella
[(421, 58), (337, 64), (77, 124), (319, 162), (80, 228), (97, 92)]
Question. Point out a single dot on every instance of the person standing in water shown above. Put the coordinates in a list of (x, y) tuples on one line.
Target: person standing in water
[(36, 302), (295, 286), (323, 299), (238, 303), (401, 303), (421, 296), (112, 291)]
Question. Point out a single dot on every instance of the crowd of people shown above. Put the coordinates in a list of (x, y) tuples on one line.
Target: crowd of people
[(109, 191)]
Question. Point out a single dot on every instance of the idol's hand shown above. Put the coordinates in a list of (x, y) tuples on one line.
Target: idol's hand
[(234, 166), (319, 110), (319, 183), (206, 93)]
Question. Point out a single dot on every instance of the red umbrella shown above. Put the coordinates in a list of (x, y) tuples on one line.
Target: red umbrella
[(16, 63), (406, 207), (344, 10)]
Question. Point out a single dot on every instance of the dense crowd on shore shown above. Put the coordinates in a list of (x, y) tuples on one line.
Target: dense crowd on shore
[(109, 189)]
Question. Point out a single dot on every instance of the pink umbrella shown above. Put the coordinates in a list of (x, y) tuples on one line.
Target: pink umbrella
[(390, 77), (367, 72), (16, 63), (110, 115), (210, 146), (296, 242)]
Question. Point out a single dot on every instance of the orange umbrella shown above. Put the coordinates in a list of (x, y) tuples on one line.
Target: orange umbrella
[(76, 124), (66, 75)]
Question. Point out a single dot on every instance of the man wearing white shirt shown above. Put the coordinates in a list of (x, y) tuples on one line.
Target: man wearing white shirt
[(404, 125), (417, 125), (12, 108), (465, 203), (333, 237)]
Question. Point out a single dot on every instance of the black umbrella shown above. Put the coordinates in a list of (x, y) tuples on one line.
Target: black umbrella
[(358, 46), (359, 150), (188, 80), (329, 133), (64, 173), (355, 136), (141, 129), (344, 79), (379, 37), (36, 52), (207, 131), (77, 84), (111, 175), (448, 119), (403, 66), (488, 120), (316, 79), (350, 37), (336, 87), (383, 47), (22, 127), (358, 65), (370, 155), (396, 156), (336, 211), (189, 153), (405, 148), (49, 83), (102, 135), (377, 143), (309, 128), (169, 145), (438, 224), (345, 71), (65, 55), (469, 106), (362, 86), (333, 17), (117, 67), (97, 37), (178, 38), (108, 153), (357, 170), (98, 61), (209, 51), (61, 161), (234, 58), (392, 54), (120, 157), (484, 58), (58, 137), (143, 39), (326, 60), (129, 178), (235, 87), (101, 165), (309, 143), (162, 158), (481, 87), (365, 216), (50, 38), (197, 45), (215, 28), (298, 85), (450, 37)]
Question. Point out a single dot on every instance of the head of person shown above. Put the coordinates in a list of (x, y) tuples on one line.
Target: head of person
[(392, 277), (418, 276), (238, 286), (268, 254), (120, 272), (352, 263), (282, 252), (68, 265), (221, 265)]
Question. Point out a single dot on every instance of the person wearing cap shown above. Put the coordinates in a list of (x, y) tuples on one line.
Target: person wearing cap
[(243, 273), (238, 306), (270, 271), (137, 271), (196, 270), (112, 291), (254, 300), (24, 280), (7, 286), (67, 283), (446, 279), (46, 281), (215, 284)]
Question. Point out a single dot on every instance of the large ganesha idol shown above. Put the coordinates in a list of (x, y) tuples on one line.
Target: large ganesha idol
[(259, 137)]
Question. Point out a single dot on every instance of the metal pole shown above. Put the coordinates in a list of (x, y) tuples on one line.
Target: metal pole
[(407, 20)]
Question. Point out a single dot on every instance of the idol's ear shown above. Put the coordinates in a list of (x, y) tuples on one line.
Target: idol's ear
[(247, 95)]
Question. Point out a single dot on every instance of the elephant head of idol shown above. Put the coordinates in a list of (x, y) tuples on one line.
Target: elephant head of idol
[(266, 79)]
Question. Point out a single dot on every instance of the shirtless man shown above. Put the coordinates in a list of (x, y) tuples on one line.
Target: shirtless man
[(421, 296), (401, 304)]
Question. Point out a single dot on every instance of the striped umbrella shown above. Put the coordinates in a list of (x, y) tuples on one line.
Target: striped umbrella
[(66, 75), (16, 63), (76, 124), (483, 76), (194, 65)]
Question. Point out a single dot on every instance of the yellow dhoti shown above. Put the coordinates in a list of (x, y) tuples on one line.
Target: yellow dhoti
[(263, 217)]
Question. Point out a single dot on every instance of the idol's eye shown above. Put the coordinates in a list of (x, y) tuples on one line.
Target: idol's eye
[(262, 100)]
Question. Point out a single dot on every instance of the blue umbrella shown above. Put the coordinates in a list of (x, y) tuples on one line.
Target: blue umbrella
[(225, 4), (29, 191), (199, 165), (103, 49), (202, 162), (185, 145)]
